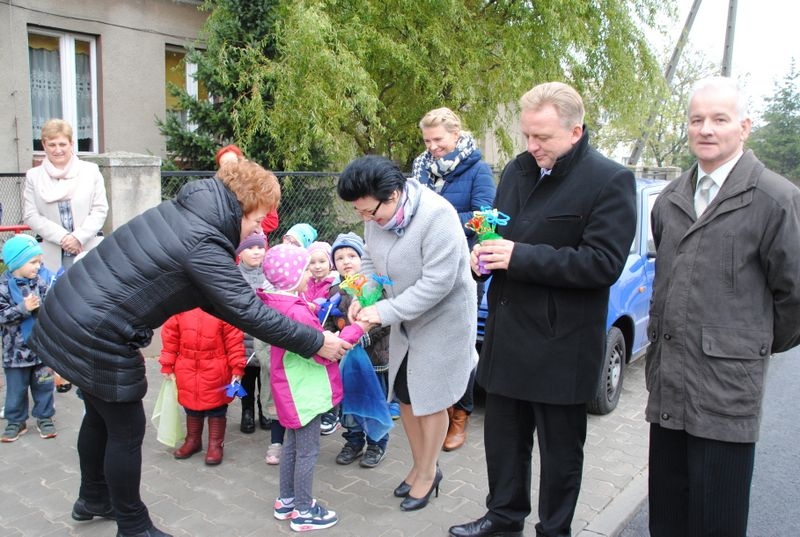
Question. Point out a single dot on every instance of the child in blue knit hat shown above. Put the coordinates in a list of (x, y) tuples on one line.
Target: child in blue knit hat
[(346, 251), (22, 287)]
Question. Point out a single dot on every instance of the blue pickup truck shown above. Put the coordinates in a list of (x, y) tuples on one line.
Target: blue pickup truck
[(628, 304)]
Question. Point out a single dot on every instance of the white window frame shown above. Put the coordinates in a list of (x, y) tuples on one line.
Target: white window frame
[(69, 104), (191, 85)]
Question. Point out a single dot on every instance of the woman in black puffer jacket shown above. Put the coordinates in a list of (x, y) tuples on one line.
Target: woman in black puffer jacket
[(96, 318)]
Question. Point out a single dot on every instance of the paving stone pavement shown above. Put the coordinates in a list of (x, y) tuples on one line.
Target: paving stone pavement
[(39, 480)]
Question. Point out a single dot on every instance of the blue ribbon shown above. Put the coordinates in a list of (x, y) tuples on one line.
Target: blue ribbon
[(381, 279), (493, 216)]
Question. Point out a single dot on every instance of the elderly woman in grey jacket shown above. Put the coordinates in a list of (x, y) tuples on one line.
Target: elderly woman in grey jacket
[(414, 237)]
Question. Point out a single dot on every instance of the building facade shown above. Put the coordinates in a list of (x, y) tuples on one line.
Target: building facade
[(102, 65)]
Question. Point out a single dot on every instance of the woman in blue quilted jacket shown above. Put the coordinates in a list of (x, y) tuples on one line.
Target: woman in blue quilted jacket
[(452, 165)]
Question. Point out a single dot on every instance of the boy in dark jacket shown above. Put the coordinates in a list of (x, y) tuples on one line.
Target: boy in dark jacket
[(346, 252)]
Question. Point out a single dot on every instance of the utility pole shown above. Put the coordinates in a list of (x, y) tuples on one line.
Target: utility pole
[(672, 66), (727, 52)]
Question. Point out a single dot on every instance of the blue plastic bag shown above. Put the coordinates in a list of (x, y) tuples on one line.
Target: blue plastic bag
[(363, 396)]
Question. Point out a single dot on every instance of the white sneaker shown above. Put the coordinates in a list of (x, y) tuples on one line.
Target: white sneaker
[(316, 518), (329, 423)]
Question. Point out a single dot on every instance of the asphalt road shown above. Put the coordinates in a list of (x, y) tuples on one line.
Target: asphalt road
[(775, 493)]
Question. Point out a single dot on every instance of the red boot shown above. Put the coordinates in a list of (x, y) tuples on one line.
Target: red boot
[(194, 438), (216, 439)]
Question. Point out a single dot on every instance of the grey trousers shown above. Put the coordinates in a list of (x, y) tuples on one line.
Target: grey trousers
[(298, 458)]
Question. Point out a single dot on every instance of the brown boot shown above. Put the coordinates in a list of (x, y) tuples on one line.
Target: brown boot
[(194, 438), (457, 432), (216, 439)]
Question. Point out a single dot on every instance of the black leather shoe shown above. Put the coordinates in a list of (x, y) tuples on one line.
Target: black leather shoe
[(82, 510), (402, 490), (152, 532), (411, 503), (483, 527), (248, 424)]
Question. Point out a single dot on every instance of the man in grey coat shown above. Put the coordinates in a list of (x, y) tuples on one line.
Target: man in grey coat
[(726, 296)]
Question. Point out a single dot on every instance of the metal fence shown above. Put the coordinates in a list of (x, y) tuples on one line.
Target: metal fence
[(11, 185), (308, 197)]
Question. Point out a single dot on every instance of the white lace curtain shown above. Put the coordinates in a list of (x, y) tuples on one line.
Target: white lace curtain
[(83, 91), (45, 68)]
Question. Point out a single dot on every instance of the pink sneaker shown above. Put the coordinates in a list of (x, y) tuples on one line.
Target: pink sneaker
[(282, 510), (273, 454)]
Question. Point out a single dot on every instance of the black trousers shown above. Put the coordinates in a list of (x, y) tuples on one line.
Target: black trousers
[(110, 453), (509, 425), (698, 487), (251, 382), (467, 401)]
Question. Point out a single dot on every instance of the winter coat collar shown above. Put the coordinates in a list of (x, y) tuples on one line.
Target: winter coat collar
[(743, 177), (564, 164), (221, 210), (423, 175)]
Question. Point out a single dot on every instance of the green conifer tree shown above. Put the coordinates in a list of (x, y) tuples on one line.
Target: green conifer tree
[(777, 142)]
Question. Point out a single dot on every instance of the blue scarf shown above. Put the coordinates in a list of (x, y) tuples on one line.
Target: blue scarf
[(19, 288), (432, 172)]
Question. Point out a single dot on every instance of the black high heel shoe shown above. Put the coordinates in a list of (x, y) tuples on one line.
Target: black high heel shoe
[(402, 490), (411, 503)]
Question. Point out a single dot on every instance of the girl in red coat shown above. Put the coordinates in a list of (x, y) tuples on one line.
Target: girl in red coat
[(203, 354)]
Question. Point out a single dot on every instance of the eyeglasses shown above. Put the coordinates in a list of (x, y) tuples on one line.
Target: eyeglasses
[(371, 213)]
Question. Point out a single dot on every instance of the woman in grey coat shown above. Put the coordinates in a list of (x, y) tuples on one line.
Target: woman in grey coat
[(413, 236)]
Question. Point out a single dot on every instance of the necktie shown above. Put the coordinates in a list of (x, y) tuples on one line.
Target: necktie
[(703, 195)]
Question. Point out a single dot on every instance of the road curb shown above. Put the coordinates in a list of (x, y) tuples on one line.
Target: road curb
[(611, 521)]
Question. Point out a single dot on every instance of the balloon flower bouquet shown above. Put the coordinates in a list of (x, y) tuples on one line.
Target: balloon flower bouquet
[(484, 223)]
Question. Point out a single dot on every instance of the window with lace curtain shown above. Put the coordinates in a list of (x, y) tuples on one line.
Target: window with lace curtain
[(63, 80)]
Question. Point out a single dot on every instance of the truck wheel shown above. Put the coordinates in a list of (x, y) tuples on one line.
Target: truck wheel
[(611, 376)]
